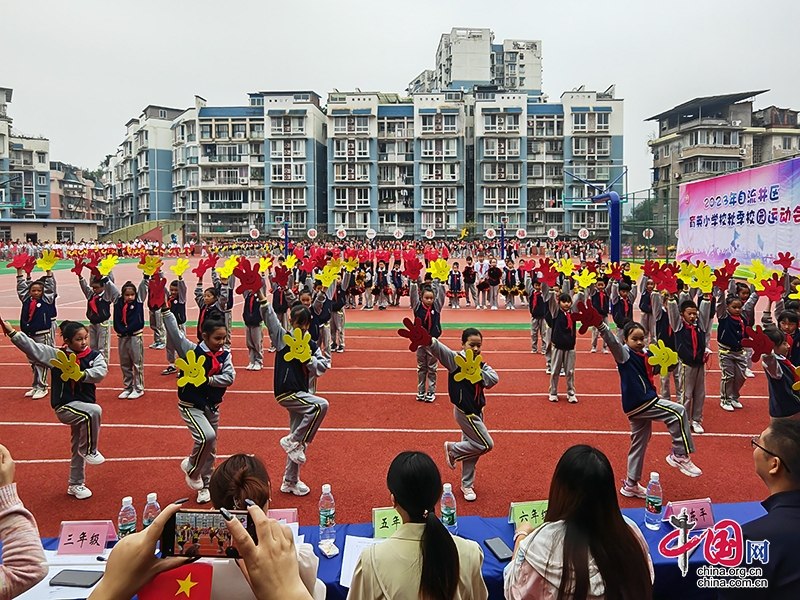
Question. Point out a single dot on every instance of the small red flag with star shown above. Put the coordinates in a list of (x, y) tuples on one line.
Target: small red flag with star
[(191, 581)]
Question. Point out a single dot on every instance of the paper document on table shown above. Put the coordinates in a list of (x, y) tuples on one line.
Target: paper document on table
[(353, 546)]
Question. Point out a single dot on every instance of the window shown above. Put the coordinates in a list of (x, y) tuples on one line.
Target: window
[(222, 131), (439, 171), (603, 121), (298, 124), (449, 147), (490, 122), (288, 197), (42, 200), (787, 142), (490, 147), (257, 129), (512, 147), (298, 148), (450, 123), (162, 114), (433, 196), (533, 147), (340, 124), (534, 170), (428, 147), (340, 148), (578, 146), (239, 130), (65, 234), (603, 146), (427, 123), (362, 124), (41, 180), (490, 172), (554, 171), (41, 157), (579, 121), (362, 148), (257, 101), (512, 123), (205, 131)]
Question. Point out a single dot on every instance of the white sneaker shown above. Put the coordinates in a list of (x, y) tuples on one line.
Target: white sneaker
[(271, 349), (295, 450), (81, 492), (125, 394), (685, 464), (734, 404), (135, 394), (632, 491), (38, 394), (572, 399), (257, 366), (249, 367), (605, 350), (553, 398), (95, 458), (548, 371), (29, 393), (194, 484), (494, 308), (697, 428), (451, 462), (726, 406), (593, 350), (203, 496), (749, 374), (298, 488), (469, 494)]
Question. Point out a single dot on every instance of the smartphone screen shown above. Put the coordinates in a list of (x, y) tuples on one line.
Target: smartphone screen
[(201, 533)]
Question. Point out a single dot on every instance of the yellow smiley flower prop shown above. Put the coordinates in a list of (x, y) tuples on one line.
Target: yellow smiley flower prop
[(192, 368), (299, 347), (68, 365), (663, 357), (470, 367)]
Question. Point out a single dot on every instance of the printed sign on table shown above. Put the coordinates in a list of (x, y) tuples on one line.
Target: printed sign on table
[(85, 537), (528, 512), (385, 521)]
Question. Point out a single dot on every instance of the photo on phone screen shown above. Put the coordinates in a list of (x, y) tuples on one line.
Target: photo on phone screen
[(201, 533)]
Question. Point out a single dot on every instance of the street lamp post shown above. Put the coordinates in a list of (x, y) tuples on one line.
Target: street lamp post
[(503, 221)]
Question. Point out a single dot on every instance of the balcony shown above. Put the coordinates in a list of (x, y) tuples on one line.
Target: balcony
[(394, 157), (400, 180), (708, 150), (406, 133), (223, 159)]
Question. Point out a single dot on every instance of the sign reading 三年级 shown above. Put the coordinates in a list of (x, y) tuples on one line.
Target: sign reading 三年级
[(746, 215)]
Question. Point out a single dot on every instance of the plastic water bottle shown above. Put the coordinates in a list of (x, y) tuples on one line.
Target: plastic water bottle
[(448, 506), (151, 510), (652, 503), (126, 521), (327, 517)]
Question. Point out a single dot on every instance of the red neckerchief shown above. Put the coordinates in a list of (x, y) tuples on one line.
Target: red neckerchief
[(125, 310), (569, 319), (428, 320), (625, 303), (693, 328), (31, 309), (737, 318), (535, 300), (648, 371), (215, 366), (602, 300), (93, 302)]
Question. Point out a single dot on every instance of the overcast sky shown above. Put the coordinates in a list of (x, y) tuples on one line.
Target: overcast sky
[(81, 69)]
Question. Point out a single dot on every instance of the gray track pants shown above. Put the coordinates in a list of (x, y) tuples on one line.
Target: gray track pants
[(674, 416), (475, 441), (472, 292), (338, 320), (538, 330), (649, 324), (596, 336), (202, 424), (426, 370), (565, 359), (157, 325), (84, 420), (40, 372), (325, 340), (171, 352), (131, 361), (665, 386), (99, 338), (493, 293), (693, 390), (732, 364), (306, 413), (254, 338)]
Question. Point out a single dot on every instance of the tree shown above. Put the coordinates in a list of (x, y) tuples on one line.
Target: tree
[(641, 218)]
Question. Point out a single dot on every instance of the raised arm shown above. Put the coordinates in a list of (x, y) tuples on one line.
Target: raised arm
[(704, 315), (85, 288), (656, 302), (619, 350), (274, 327), (674, 314), (613, 291), (198, 294), (50, 293), (413, 294), (23, 285), (182, 293), (441, 294), (41, 354), (771, 365), (182, 345), (141, 291), (318, 364), (444, 355)]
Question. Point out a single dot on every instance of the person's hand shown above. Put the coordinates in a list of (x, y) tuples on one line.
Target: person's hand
[(6, 467), (271, 567), (133, 562)]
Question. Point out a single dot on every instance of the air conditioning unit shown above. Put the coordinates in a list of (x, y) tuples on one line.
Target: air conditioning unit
[(677, 175), (243, 181), (742, 151), (71, 206), (501, 121), (239, 135)]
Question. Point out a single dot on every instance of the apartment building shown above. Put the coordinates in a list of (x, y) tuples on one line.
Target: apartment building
[(776, 135), (24, 169), (396, 160), (186, 168), (75, 195)]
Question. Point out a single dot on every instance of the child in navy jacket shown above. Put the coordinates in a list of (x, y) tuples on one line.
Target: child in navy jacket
[(36, 321), (784, 400), (129, 327)]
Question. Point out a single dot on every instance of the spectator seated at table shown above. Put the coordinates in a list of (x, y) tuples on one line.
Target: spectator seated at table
[(421, 559), (243, 477), (585, 549), (776, 455), (24, 564)]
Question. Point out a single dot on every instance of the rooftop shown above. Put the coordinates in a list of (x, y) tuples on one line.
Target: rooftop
[(708, 104)]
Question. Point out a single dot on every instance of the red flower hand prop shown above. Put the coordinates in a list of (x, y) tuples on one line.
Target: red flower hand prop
[(723, 279), (773, 288), (248, 276), (212, 260), (730, 265), (651, 268), (29, 264), (526, 266), (668, 282), (201, 268), (156, 289), (615, 271), (320, 260), (308, 264), (412, 268), (592, 268), (78, 268), (785, 260), (19, 261), (547, 273), (758, 341), (416, 334), (588, 316), (281, 276)]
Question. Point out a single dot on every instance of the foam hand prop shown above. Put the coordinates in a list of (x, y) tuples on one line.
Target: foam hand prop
[(439, 269), (105, 266), (663, 357), (585, 278), (759, 273), (412, 268), (320, 260), (78, 268), (634, 271), (281, 276), (470, 367), (29, 265), (730, 265), (248, 277), (668, 282), (526, 266), (308, 264), (150, 265), (565, 266), (651, 268), (350, 264), (758, 341), (299, 347), (226, 270), (336, 263), (328, 276), (587, 315), (721, 279), (179, 268), (796, 384), (201, 268), (68, 365), (784, 260), (548, 275), (773, 288), (416, 334), (156, 290), (464, 233), (703, 278), (192, 368), (686, 272), (290, 261), (264, 263), (796, 294), (212, 260), (614, 271), (48, 260), (18, 261)]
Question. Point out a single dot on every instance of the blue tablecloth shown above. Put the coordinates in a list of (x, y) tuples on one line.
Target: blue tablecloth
[(668, 583)]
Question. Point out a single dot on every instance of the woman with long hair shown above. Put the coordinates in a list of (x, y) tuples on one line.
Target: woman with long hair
[(585, 550), (421, 559), (242, 478)]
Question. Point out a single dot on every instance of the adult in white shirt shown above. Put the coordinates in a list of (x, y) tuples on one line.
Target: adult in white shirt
[(481, 270)]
